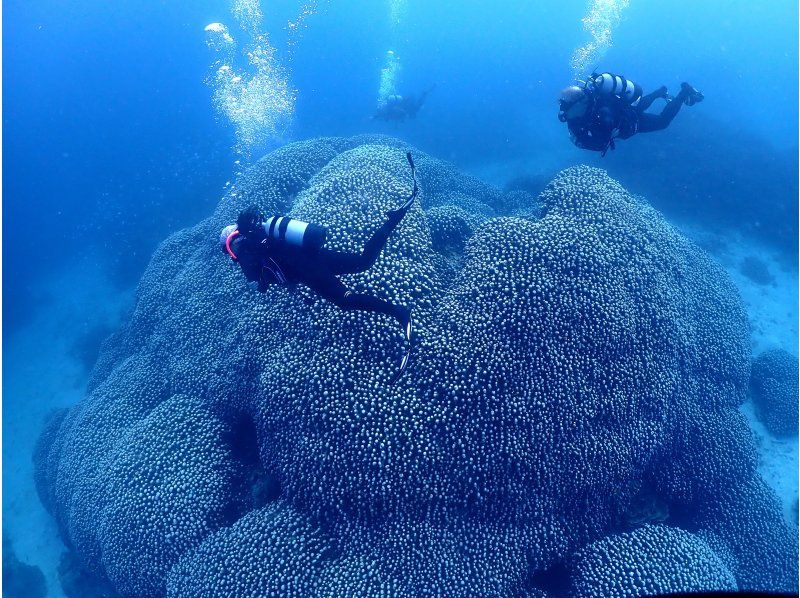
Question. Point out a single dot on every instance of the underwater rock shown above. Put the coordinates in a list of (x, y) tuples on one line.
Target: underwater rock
[(20, 580), (79, 582), (775, 391), (560, 360), (756, 270)]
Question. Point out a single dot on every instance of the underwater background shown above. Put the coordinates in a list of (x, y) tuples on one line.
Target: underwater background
[(119, 129)]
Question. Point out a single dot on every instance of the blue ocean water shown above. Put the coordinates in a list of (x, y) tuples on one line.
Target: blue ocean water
[(113, 141)]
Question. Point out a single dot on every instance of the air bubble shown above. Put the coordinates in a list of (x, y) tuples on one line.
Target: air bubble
[(602, 18)]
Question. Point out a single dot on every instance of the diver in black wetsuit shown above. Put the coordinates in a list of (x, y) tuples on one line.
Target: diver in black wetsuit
[(398, 108), (609, 107), (284, 250)]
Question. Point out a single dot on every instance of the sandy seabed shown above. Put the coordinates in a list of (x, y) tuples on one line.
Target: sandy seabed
[(44, 369)]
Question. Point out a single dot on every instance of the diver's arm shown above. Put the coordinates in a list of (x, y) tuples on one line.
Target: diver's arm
[(257, 276), (606, 118), (251, 261), (247, 260), (602, 129), (588, 135), (271, 272)]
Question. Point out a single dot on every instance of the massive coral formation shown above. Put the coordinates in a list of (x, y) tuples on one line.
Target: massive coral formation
[(650, 561), (775, 391), (570, 360)]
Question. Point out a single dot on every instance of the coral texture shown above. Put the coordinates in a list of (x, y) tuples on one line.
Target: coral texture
[(565, 361), (651, 561), (775, 391)]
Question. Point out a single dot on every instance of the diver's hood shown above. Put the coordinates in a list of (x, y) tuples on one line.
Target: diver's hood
[(225, 233), (571, 94)]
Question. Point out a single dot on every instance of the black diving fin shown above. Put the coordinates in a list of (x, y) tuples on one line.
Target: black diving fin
[(408, 331)]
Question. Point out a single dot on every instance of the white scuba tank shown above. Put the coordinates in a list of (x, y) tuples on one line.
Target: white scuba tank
[(608, 84), (295, 232), (286, 230)]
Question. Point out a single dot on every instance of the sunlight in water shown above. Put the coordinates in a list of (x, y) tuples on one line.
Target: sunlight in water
[(602, 18)]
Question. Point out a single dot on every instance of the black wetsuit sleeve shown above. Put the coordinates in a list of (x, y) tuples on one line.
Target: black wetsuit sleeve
[(606, 119), (255, 264), (596, 130), (589, 135), (248, 260)]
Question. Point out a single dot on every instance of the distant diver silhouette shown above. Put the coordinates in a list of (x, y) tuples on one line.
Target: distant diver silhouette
[(282, 250), (608, 107), (398, 108)]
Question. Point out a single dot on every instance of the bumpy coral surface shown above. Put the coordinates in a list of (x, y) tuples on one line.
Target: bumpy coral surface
[(570, 360), (651, 561), (775, 391)]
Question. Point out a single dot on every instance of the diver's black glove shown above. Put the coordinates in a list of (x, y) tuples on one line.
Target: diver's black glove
[(250, 221)]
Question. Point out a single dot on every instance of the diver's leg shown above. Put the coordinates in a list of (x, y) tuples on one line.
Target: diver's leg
[(649, 123), (349, 263), (332, 289), (656, 122), (646, 101)]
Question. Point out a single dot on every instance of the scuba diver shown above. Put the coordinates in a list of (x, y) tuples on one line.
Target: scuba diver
[(398, 108), (608, 107), (282, 250)]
